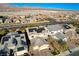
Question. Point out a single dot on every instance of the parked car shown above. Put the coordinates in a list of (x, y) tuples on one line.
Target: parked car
[(66, 26)]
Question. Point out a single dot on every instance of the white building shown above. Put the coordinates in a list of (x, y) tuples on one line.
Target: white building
[(15, 41), (56, 31), (37, 32), (55, 28), (40, 47)]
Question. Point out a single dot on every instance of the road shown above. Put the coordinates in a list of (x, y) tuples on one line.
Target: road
[(8, 26)]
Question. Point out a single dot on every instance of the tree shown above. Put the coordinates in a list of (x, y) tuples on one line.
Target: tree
[(55, 45), (3, 32), (58, 45), (12, 30), (63, 45)]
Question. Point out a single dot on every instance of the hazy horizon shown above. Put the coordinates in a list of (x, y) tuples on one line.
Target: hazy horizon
[(65, 6)]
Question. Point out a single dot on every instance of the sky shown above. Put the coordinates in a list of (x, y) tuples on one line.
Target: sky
[(67, 6)]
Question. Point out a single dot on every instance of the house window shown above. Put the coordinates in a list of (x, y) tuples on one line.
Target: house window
[(49, 48), (45, 39), (22, 37), (32, 36), (17, 35)]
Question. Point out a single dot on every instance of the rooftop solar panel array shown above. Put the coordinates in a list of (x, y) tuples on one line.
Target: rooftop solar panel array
[(38, 30)]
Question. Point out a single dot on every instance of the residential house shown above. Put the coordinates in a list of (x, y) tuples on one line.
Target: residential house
[(37, 32), (15, 41), (60, 36), (56, 31), (55, 28), (38, 37), (40, 47)]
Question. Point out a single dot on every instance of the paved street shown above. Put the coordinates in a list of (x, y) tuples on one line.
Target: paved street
[(20, 25)]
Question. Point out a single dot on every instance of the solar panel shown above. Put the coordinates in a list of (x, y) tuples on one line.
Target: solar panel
[(20, 48), (42, 29), (4, 39), (37, 30), (31, 30), (24, 43), (15, 41)]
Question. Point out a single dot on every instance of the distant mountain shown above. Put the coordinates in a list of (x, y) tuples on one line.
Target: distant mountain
[(7, 8)]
